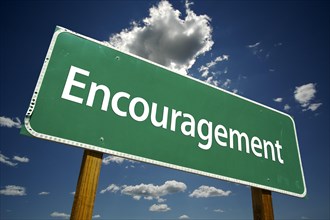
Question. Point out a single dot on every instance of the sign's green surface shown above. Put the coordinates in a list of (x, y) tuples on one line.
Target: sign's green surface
[(96, 97)]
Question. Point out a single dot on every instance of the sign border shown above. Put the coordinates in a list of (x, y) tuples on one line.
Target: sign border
[(32, 132)]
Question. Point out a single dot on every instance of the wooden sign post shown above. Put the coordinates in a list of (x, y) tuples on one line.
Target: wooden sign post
[(262, 204), (84, 198)]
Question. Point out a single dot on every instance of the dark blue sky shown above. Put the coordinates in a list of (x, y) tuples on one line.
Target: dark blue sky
[(273, 48)]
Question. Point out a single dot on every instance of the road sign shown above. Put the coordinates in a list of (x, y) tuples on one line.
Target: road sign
[(93, 96)]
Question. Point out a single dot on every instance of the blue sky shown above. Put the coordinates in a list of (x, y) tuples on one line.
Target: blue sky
[(276, 53)]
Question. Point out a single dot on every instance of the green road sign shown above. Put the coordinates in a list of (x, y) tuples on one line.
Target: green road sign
[(93, 96)]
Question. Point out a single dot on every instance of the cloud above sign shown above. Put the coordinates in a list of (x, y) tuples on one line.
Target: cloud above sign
[(304, 95), (10, 123), (167, 39)]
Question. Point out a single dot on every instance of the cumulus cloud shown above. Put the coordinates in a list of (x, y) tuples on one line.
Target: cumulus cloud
[(10, 123), (165, 38), (21, 159), (150, 191), (304, 95), (208, 191), (96, 216), (6, 160), (278, 99), (159, 208), (12, 190), (60, 215), (184, 217), (111, 188), (218, 210), (43, 193)]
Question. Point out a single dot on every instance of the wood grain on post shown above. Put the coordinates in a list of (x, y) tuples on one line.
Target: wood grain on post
[(84, 198), (262, 204)]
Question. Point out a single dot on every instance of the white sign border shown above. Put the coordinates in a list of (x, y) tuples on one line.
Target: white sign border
[(29, 113)]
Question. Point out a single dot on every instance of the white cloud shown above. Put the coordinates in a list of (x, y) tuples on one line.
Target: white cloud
[(21, 159), (226, 83), (111, 188), (253, 45), (160, 200), (150, 191), (8, 122), (43, 193), (208, 191), (167, 39), (5, 160), (73, 193), (60, 215), (305, 93), (287, 107), (184, 217), (216, 82), (261, 51), (255, 48), (235, 91), (313, 107), (212, 81), (107, 160), (12, 190), (205, 69), (96, 216), (218, 210), (278, 99), (113, 159), (159, 208)]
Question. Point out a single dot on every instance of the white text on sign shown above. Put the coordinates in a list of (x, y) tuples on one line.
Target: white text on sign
[(205, 129)]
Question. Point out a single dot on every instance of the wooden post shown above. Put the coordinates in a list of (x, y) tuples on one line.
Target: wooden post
[(84, 198), (262, 204)]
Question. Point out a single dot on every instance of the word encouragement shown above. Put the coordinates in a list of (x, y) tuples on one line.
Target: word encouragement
[(205, 129)]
